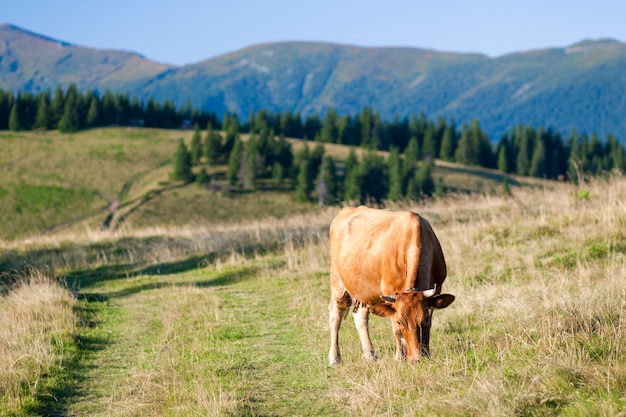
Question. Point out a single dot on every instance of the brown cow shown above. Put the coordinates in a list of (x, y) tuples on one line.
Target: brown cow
[(388, 263)]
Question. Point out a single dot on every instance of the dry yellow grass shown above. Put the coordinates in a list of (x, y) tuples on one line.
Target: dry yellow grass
[(37, 320)]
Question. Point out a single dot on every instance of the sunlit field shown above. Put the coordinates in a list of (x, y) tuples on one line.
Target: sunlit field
[(232, 320)]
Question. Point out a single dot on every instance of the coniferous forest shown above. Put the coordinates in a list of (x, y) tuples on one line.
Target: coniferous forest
[(413, 143)]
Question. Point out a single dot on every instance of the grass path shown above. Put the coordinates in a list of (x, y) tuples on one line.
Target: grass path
[(208, 342)]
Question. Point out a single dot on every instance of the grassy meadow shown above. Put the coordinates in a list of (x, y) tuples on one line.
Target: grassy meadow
[(231, 319), (54, 182)]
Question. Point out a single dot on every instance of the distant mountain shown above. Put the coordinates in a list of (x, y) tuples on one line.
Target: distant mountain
[(582, 86), (31, 62)]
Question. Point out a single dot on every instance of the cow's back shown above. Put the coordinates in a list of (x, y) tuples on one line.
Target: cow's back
[(379, 252)]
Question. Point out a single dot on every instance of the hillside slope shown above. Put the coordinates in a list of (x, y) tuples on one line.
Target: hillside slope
[(122, 175)]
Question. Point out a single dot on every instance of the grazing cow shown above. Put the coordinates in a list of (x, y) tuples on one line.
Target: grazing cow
[(388, 263)]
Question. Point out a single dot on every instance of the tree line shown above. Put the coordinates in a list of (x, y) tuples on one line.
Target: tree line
[(524, 150), (266, 158)]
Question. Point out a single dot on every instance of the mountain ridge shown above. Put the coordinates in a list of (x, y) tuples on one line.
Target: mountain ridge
[(580, 86)]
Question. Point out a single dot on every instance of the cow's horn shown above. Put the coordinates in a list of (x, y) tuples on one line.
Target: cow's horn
[(388, 298), (429, 293)]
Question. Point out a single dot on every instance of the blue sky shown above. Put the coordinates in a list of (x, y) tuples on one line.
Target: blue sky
[(185, 31)]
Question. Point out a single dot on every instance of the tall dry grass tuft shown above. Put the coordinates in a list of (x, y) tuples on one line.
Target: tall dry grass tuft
[(150, 246), (37, 320)]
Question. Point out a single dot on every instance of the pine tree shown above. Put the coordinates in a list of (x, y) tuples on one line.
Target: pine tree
[(574, 161), (203, 177), (211, 149), (440, 188), (282, 154), (195, 148), (538, 163), (304, 185), (448, 145), (352, 184), (524, 141), (425, 179), (181, 164), (234, 161), (326, 183), (15, 122), (43, 119), (249, 167), (503, 155), (330, 131), (429, 145), (302, 155), (373, 178), (232, 134), (394, 167), (57, 106), (70, 121), (412, 151), (94, 112), (6, 102), (278, 173)]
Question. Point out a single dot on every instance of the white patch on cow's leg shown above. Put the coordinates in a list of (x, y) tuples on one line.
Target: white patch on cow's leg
[(335, 316), (400, 346), (361, 318)]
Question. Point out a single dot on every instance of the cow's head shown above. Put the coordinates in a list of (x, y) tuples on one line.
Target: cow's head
[(411, 313)]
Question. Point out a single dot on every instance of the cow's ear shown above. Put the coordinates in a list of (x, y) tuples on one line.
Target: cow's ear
[(440, 301), (383, 310)]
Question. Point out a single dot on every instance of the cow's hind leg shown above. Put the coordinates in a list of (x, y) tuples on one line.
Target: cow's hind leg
[(361, 321), (337, 310)]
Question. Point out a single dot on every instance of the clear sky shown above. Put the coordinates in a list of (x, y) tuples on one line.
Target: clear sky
[(188, 31)]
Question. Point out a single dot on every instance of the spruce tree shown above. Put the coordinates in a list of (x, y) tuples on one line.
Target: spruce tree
[(574, 160), (94, 112), (538, 163), (15, 122), (394, 167), (440, 188), (70, 121), (6, 102), (42, 118), (326, 183), (425, 179), (234, 161), (232, 134), (374, 178), (352, 185), (195, 148), (181, 164), (429, 146), (278, 173), (304, 183), (503, 160), (211, 149), (249, 167), (522, 161), (448, 145), (203, 177), (57, 106)]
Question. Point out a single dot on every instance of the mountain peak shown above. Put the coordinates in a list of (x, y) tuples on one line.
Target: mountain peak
[(8, 27), (588, 44)]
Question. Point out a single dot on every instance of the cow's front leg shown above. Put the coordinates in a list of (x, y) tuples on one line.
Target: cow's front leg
[(361, 319), (400, 345), (335, 317)]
